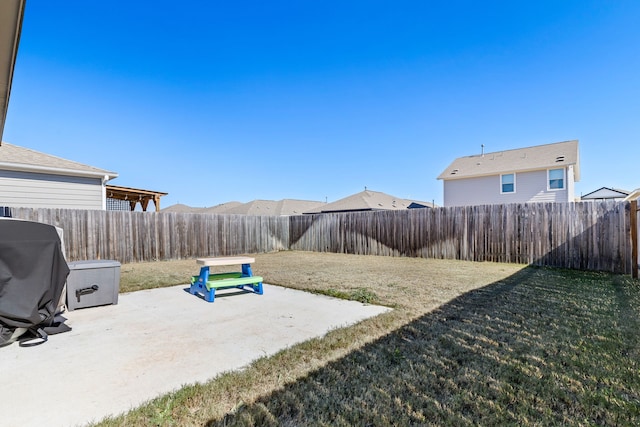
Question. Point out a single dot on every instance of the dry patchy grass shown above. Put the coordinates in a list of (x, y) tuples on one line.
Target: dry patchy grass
[(466, 344)]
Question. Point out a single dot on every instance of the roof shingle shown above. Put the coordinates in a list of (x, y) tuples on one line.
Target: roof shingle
[(15, 157), (364, 201), (521, 159)]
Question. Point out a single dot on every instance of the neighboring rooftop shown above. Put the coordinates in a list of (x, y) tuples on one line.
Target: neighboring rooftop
[(13, 157), (368, 200), (271, 207), (364, 201), (222, 207), (255, 207), (606, 193), (521, 159), (180, 208)]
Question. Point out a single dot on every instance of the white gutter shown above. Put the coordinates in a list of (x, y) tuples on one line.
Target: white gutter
[(104, 192)]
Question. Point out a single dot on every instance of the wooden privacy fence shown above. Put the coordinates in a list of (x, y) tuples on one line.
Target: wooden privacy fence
[(147, 236), (587, 235)]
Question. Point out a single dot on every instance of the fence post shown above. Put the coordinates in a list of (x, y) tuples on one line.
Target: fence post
[(634, 238)]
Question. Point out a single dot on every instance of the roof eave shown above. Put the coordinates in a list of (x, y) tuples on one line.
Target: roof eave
[(12, 16), (20, 167), (445, 177)]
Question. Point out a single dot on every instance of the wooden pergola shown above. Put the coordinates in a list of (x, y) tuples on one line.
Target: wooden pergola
[(135, 196)]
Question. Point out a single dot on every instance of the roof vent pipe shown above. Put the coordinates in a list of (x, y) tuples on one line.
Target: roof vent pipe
[(482, 146)]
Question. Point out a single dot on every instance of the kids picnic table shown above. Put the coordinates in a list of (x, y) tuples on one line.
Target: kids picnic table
[(206, 282)]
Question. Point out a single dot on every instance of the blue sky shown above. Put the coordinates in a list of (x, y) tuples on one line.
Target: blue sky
[(216, 101)]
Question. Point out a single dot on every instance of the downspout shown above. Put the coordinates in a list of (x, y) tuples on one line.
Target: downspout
[(104, 192)]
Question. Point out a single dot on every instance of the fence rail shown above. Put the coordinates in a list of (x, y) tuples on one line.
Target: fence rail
[(587, 235)]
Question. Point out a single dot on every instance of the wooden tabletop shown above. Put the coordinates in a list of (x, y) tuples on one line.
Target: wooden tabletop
[(232, 260)]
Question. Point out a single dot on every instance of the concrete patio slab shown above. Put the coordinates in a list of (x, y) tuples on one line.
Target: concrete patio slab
[(152, 342)]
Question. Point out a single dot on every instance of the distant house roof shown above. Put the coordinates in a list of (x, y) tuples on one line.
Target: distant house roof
[(367, 200), (416, 204), (11, 15), (221, 208), (296, 207), (180, 208), (13, 157), (606, 193), (254, 207), (518, 160)]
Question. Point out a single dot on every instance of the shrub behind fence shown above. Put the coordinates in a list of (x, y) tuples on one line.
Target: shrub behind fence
[(588, 235)]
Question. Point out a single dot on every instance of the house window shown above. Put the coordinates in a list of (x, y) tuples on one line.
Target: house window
[(556, 179), (508, 183)]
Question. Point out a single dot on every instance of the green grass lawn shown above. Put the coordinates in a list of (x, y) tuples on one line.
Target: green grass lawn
[(466, 344)]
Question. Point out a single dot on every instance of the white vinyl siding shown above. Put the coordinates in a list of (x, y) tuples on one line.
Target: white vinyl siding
[(485, 190), (24, 189)]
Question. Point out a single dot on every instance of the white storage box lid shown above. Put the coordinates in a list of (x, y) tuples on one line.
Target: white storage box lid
[(96, 263)]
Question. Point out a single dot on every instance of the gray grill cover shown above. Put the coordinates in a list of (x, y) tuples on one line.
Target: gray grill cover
[(32, 273)]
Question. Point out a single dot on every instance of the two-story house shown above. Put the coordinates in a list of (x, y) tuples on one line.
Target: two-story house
[(543, 173)]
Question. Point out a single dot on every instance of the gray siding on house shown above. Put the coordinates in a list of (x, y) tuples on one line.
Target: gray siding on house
[(485, 190), (534, 188), (25, 189), (471, 191)]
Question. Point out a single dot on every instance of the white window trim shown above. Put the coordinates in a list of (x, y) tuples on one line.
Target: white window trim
[(514, 183), (564, 179)]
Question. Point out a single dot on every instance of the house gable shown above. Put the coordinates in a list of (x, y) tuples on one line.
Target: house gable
[(605, 193)]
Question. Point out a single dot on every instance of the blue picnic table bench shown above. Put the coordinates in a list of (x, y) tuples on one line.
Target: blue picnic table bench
[(206, 282)]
